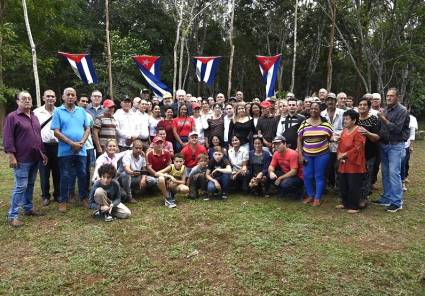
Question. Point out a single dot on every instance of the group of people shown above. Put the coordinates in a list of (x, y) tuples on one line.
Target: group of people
[(203, 147)]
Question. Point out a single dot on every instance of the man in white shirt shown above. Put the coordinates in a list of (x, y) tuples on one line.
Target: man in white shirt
[(142, 123), (126, 129), (409, 147), (50, 143), (335, 117), (133, 172)]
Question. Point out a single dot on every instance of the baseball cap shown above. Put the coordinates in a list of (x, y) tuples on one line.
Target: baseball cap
[(331, 95), (193, 133), (157, 140), (196, 105), (108, 104), (126, 98), (376, 96), (145, 90), (278, 139), (265, 104), (167, 95)]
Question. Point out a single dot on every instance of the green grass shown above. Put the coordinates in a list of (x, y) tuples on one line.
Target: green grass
[(244, 246)]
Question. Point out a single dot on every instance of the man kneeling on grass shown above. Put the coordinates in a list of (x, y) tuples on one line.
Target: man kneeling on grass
[(105, 196)]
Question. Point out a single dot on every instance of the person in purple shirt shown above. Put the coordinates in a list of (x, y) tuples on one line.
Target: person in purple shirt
[(71, 126), (22, 142)]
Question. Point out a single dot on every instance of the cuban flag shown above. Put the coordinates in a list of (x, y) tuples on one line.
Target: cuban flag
[(149, 66), (206, 69), (269, 67), (82, 65)]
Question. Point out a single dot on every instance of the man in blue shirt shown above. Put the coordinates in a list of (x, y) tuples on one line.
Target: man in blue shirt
[(72, 128)]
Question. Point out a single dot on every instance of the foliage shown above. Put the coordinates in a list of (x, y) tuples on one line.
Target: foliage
[(378, 44)]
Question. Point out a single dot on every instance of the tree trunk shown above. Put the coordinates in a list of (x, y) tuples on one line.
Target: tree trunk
[(404, 81), (176, 44), (294, 59), (186, 45), (331, 47), (232, 51), (108, 45), (33, 52), (182, 42)]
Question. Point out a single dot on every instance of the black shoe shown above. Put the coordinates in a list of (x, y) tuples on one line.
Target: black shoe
[(97, 214), (378, 202), (393, 208)]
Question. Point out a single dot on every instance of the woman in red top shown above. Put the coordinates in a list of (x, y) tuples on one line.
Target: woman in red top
[(352, 162), (182, 126), (167, 123)]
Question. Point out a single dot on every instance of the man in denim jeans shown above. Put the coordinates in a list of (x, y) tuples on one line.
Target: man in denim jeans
[(394, 131), (72, 128), (22, 142)]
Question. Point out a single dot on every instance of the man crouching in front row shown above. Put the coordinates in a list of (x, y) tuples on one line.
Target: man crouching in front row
[(105, 196)]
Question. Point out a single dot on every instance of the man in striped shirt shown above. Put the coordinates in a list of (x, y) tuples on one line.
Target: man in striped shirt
[(105, 127)]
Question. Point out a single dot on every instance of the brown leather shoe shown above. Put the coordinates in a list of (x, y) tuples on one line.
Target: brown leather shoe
[(85, 203), (62, 207), (34, 213), (307, 200), (15, 223), (316, 202)]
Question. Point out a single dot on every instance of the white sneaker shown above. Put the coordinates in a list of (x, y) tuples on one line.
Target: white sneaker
[(404, 187)]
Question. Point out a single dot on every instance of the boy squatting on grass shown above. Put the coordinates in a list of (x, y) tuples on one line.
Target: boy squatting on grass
[(105, 196), (175, 179), (197, 177)]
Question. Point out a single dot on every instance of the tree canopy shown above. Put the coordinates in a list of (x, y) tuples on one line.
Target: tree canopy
[(377, 44)]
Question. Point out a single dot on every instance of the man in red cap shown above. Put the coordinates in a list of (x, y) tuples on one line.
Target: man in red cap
[(157, 158), (267, 124), (105, 126)]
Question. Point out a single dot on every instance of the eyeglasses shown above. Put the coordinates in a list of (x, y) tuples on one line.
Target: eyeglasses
[(84, 101), (50, 96)]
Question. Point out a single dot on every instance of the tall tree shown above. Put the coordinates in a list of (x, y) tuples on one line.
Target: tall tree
[(108, 48), (232, 49), (294, 59), (33, 52), (332, 6)]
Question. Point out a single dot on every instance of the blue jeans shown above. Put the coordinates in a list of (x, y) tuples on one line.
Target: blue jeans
[(25, 174), (224, 181), (315, 172), (291, 185), (177, 146), (72, 167), (391, 157)]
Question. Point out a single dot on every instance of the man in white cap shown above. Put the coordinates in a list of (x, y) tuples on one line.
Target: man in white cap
[(192, 151)]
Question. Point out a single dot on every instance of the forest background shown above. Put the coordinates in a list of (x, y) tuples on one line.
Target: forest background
[(355, 46)]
